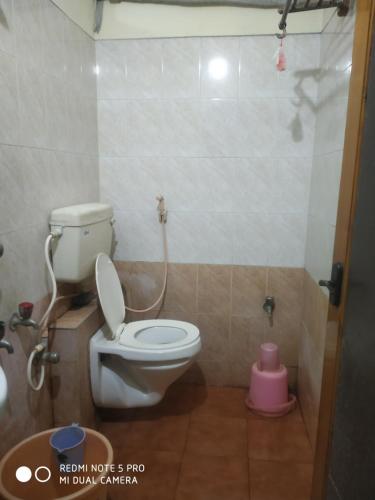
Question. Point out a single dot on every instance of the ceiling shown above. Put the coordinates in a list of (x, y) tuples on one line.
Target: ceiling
[(132, 20)]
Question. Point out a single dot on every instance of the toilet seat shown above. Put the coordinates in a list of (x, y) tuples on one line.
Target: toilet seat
[(165, 336)]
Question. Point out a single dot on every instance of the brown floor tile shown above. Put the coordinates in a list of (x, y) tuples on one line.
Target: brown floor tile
[(180, 399), (281, 481), (211, 431), (293, 416), (217, 436), (157, 482), (281, 440), (221, 402), (162, 434), (213, 478), (116, 432), (183, 398)]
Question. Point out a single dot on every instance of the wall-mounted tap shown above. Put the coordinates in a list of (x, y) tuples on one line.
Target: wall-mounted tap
[(162, 210), (23, 317), (268, 307), (5, 344)]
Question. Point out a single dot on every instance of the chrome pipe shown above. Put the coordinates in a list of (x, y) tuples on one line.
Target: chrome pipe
[(285, 12)]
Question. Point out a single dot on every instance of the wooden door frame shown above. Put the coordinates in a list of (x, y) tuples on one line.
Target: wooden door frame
[(364, 26)]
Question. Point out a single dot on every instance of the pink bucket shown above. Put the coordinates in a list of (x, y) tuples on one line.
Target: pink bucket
[(268, 393)]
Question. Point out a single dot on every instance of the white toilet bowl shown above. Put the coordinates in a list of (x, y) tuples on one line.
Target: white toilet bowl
[(132, 365)]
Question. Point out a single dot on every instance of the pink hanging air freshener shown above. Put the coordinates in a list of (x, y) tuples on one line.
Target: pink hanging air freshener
[(281, 59)]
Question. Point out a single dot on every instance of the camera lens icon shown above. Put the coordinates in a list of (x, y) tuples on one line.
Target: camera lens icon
[(23, 474), (42, 474)]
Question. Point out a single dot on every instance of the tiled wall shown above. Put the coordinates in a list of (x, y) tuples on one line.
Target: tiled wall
[(209, 123), (335, 64), (225, 302), (48, 158), (70, 378), (335, 70)]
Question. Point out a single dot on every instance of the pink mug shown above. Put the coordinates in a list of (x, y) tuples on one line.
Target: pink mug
[(269, 357)]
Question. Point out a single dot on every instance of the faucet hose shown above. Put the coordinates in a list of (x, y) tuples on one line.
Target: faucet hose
[(53, 280), (35, 386), (165, 248)]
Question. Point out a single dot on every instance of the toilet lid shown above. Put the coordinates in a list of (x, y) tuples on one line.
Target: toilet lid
[(110, 292)]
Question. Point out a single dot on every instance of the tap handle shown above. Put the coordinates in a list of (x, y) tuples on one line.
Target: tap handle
[(25, 309)]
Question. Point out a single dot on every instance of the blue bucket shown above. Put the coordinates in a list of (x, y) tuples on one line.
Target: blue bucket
[(68, 444)]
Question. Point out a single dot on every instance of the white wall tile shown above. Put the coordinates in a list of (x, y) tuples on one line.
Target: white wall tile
[(215, 232), (12, 190), (297, 122), (9, 124), (226, 152), (89, 69), (138, 235), (183, 185), (53, 48), (39, 129), (180, 68), (7, 35), (185, 236), (223, 133), (341, 25), (202, 184), (74, 40), (286, 239), (289, 179), (12, 276), (220, 67), (252, 185), (331, 109), (131, 183), (56, 114), (250, 239), (32, 105), (29, 31), (111, 127), (144, 67), (258, 75), (200, 237), (111, 70)]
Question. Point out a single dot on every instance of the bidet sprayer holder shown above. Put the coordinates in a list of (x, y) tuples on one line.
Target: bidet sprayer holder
[(268, 307), (162, 210)]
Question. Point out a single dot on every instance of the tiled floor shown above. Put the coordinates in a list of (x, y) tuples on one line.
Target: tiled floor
[(201, 443)]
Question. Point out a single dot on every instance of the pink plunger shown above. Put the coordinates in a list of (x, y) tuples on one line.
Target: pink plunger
[(268, 394)]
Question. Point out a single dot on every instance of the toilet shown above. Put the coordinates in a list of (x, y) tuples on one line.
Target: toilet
[(133, 364)]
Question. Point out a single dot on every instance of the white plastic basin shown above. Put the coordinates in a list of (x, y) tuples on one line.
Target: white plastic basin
[(3, 390)]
